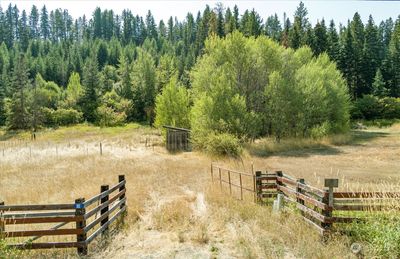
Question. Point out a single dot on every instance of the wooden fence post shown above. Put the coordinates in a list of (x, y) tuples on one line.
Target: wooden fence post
[(101, 149), (220, 178), (105, 209), (300, 190), (212, 173), (241, 187), (328, 200), (258, 186), (81, 211), (278, 182), (229, 180), (2, 225), (121, 178)]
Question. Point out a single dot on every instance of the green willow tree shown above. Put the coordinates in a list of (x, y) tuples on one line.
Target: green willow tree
[(173, 106)]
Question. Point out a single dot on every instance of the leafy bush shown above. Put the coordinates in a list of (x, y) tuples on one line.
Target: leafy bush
[(114, 110), (370, 107), (108, 117), (61, 116), (220, 144), (390, 108), (64, 117)]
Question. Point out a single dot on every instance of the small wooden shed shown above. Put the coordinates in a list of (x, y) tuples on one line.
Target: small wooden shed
[(177, 139)]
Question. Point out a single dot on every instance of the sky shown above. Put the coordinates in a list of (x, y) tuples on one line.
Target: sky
[(340, 11)]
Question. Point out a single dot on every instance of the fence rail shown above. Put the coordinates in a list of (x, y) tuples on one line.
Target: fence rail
[(240, 182), (321, 208), (94, 222)]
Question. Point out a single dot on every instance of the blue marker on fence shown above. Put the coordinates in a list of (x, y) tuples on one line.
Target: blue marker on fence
[(78, 206)]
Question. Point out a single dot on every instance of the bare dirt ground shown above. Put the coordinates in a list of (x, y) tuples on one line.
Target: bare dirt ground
[(174, 212)]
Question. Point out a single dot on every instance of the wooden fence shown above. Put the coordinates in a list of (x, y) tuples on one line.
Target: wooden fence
[(90, 217), (244, 182), (321, 208)]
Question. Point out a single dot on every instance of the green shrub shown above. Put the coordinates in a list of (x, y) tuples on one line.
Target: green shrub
[(61, 116), (320, 131), (64, 117), (370, 107), (107, 117), (390, 108), (379, 234), (221, 144)]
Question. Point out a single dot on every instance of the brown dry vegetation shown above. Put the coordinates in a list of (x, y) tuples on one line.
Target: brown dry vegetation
[(174, 211)]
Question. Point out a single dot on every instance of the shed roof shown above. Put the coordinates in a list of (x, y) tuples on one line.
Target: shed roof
[(175, 128)]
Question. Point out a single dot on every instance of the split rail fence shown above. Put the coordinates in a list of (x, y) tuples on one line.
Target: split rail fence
[(321, 208), (89, 218)]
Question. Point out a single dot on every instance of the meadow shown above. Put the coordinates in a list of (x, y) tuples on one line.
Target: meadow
[(174, 211)]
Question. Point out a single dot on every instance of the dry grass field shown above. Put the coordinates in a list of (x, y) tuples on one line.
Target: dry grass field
[(174, 210)]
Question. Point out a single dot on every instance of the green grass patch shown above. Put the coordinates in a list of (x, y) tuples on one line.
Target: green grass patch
[(76, 131), (6, 252), (379, 234)]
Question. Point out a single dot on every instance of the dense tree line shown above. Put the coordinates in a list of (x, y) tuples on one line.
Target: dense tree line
[(110, 67)]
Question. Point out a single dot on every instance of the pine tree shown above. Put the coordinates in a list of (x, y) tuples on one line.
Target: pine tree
[(378, 86), (127, 32), (171, 37), (9, 27), (219, 9), (273, 27), (151, 26), (102, 54), (44, 24), (236, 16), (34, 22), (97, 23), (357, 31), (17, 115), (144, 86), (371, 53), (124, 73), (285, 34), (90, 99), (2, 102), (394, 60), (333, 42), (299, 33), (229, 21), (23, 31), (346, 61), (321, 38)]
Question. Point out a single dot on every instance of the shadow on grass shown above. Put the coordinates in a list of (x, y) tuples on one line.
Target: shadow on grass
[(309, 147), (7, 135), (295, 152), (359, 137)]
